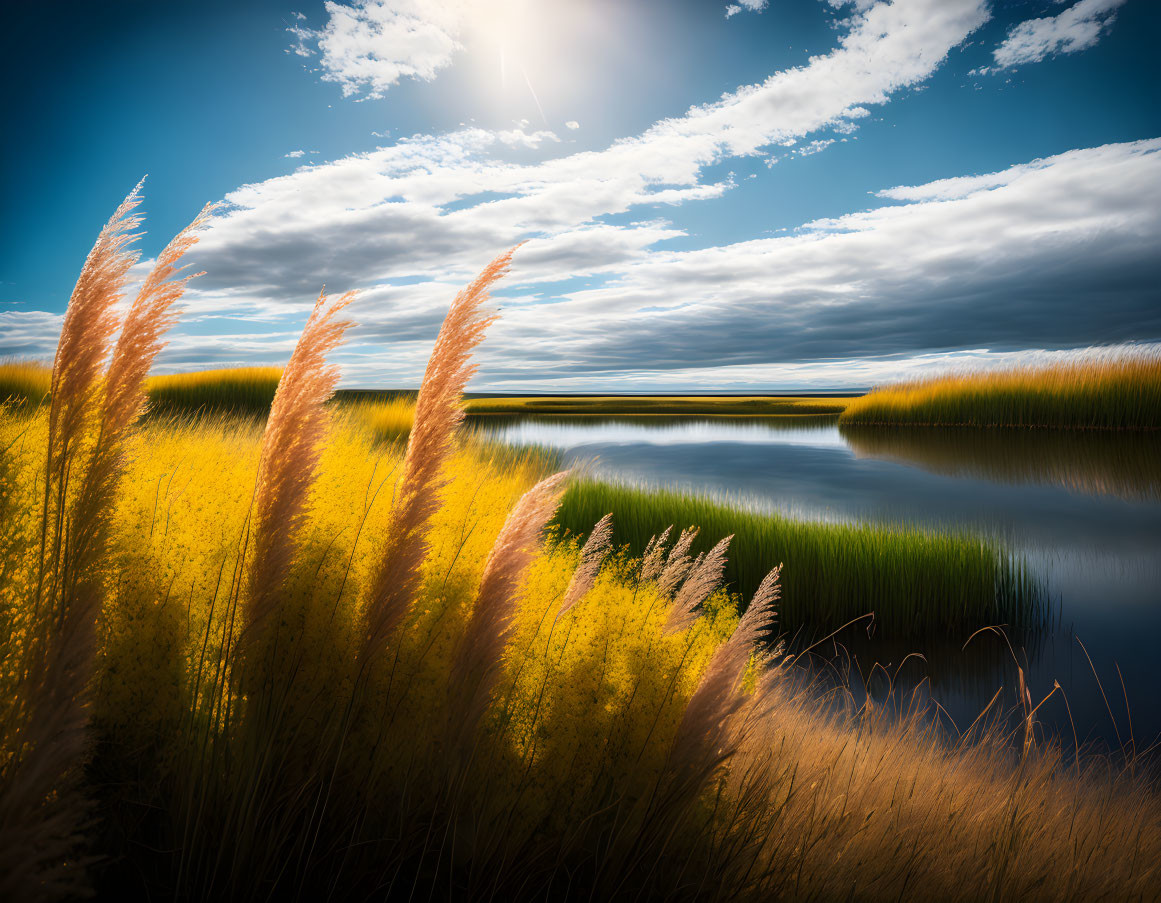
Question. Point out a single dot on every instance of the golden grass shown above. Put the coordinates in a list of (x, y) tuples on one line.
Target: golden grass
[(1120, 389), (239, 390), (24, 382)]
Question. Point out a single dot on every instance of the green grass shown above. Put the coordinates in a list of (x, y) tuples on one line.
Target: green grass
[(692, 405), (915, 581), (1119, 391)]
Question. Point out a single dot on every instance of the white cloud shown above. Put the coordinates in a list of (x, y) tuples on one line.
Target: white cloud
[(369, 45), (294, 154), (1077, 28), (572, 124), (755, 6)]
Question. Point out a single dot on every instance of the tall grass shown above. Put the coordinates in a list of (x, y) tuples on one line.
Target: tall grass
[(914, 581), (550, 721), (1114, 390), (96, 393)]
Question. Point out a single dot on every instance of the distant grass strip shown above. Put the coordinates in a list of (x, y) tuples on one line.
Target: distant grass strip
[(245, 390), (1120, 390), (24, 383), (917, 582), (692, 405)]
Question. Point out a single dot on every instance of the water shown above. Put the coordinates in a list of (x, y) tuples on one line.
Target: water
[(1084, 510)]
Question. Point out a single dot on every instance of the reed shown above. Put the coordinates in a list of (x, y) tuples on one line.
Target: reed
[(916, 582), (1115, 389), (291, 447), (666, 405)]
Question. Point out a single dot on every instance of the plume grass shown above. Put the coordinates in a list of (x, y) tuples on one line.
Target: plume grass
[(438, 413)]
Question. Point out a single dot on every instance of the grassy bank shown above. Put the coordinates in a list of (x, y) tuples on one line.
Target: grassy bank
[(690, 405), (1117, 392), (915, 581)]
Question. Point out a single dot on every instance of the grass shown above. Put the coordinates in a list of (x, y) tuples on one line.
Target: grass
[(245, 391), (1120, 390), (24, 383), (690, 405), (249, 661), (916, 582), (242, 390)]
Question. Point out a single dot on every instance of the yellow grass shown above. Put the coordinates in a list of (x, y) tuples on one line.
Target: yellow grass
[(1120, 389)]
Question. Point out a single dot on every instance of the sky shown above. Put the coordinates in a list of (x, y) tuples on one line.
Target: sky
[(761, 195)]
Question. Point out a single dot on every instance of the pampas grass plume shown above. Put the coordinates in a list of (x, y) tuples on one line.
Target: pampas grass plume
[(593, 554), (705, 575), (438, 413), (291, 446), (479, 652)]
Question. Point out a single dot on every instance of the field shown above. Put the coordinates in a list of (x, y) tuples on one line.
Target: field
[(1119, 391), (302, 658)]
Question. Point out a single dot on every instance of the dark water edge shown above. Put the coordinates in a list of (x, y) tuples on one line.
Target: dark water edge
[(1082, 509)]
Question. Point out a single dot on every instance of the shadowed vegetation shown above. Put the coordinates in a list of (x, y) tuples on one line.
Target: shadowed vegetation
[(1117, 391)]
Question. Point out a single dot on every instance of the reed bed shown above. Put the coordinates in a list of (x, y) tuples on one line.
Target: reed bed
[(1117, 389), (915, 581), (208, 690), (246, 391)]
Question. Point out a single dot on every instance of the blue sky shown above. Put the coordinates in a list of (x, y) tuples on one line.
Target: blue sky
[(797, 193)]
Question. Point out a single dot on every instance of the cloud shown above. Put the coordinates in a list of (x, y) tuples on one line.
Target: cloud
[(435, 206), (598, 296), (755, 6), (369, 45), (1077, 28), (294, 154), (572, 124), (1056, 253)]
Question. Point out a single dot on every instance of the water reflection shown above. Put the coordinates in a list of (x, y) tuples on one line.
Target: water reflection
[(1125, 465)]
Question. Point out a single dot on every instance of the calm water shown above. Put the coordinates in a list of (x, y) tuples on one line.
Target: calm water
[(1083, 510)]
